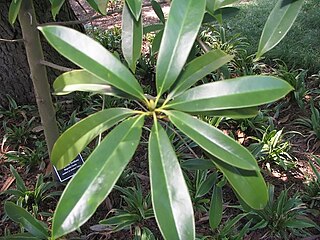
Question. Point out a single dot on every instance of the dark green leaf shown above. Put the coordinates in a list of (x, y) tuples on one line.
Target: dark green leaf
[(99, 5), (182, 27), (249, 185), (73, 141), (97, 176), (81, 80), (156, 42), (93, 57), (206, 185), (135, 7), (131, 37), (197, 164), (153, 28), (14, 10), (199, 68), (242, 92), (19, 181), (231, 113), (278, 24), (216, 208), (170, 196), (20, 215), (158, 10), (20, 236), (213, 140)]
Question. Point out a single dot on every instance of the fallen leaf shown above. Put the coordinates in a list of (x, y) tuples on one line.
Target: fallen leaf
[(7, 184)]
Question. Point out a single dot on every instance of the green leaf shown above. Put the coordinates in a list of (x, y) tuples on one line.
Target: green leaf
[(93, 57), (206, 185), (153, 28), (20, 215), (119, 219), (170, 197), (249, 185), (231, 113), (213, 140), (216, 208), (182, 27), (156, 42), (131, 37), (197, 164), (75, 138), (97, 176), (14, 11), (278, 24), (242, 92), (158, 10), (55, 7), (81, 80), (20, 236), (135, 7), (19, 181), (222, 3), (99, 5), (199, 68)]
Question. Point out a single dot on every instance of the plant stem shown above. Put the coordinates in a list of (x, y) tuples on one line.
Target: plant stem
[(28, 22)]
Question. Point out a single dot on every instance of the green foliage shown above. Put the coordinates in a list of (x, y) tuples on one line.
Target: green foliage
[(31, 199), (284, 217), (171, 202), (312, 189), (272, 147), (14, 10)]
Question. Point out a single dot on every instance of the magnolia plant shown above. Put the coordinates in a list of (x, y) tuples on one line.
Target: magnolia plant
[(178, 101)]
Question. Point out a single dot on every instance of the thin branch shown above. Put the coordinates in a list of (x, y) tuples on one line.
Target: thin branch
[(89, 19), (11, 40), (55, 66)]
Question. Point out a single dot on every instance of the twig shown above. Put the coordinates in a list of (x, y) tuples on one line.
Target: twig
[(89, 19), (55, 66), (11, 40)]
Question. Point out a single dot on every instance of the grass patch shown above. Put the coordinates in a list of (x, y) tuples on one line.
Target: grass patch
[(299, 49)]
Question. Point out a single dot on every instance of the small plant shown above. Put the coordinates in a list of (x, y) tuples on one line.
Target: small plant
[(296, 78), (312, 189), (27, 198), (135, 209), (312, 123), (284, 217), (272, 147)]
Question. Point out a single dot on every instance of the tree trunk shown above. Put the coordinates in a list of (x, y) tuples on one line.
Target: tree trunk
[(14, 70)]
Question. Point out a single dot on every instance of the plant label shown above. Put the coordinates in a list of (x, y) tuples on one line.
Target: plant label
[(67, 172)]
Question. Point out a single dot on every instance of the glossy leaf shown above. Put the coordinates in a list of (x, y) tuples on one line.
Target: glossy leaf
[(197, 164), (242, 92), (213, 140), (97, 176), (81, 80), (249, 185), (20, 215), (75, 138), (278, 24), (158, 10), (55, 7), (93, 57), (170, 196), (14, 10), (135, 7), (99, 5), (216, 208), (131, 37), (231, 113), (181, 29), (199, 68)]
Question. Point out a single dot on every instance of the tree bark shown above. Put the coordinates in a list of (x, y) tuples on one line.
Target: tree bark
[(14, 70)]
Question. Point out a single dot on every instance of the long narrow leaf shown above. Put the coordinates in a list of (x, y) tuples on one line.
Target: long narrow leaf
[(278, 24), (14, 10), (170, 197), (97, 176), (216, 208), (99, 5), (199, 68), (249, 185), (20, 215), (237, 113), (73, 141), (56, 6), (158, 10), (131, 37), (81, 80), (213, 141), (93, 57), (135, 7), (234, 93), (182, 27)]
